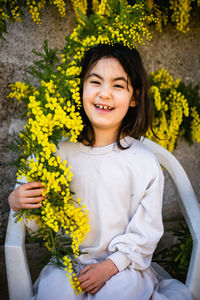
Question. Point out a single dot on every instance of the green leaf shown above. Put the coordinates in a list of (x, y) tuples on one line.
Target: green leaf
[(82, 16), (44, 68)]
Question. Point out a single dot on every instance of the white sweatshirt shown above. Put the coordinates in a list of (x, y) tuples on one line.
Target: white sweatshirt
[(122, 190)]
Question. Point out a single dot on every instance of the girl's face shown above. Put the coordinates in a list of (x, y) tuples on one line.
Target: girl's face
[(107, 95)]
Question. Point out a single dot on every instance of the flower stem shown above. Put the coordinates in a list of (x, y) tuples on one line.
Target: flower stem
[(54, 246)]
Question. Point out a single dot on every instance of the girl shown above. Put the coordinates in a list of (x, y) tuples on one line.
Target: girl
[(119, 180)]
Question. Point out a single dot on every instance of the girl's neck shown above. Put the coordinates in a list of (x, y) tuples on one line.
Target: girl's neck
[(104, 138)]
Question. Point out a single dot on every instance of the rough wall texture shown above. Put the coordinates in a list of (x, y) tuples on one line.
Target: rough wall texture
[(178, 53)]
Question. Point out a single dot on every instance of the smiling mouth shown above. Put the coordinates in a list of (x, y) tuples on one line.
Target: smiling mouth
[(103, 107)]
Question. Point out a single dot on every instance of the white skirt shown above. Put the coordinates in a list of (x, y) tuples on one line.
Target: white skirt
[(130, 284)]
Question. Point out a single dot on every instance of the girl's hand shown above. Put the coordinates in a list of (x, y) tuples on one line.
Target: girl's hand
[(94, 276), (26, 196)]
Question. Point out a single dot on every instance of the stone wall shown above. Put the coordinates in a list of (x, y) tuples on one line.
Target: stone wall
[(177, 52)]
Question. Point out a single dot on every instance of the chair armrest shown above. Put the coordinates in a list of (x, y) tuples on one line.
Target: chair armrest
[(190, 208), (18, 274)]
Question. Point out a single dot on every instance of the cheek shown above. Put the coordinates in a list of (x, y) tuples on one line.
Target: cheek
[(87, 101), (87, 95), (124, 102)]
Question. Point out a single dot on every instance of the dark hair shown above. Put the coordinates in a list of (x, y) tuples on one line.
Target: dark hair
[(139, 118)]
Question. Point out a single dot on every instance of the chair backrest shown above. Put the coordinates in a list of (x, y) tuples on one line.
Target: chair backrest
[(18, 275), (190, 208)]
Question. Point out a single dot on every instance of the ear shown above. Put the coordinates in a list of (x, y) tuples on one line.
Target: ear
[(134, 99), (132, 102)]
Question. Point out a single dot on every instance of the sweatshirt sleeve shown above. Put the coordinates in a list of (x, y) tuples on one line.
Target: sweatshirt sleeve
[(136, 246)]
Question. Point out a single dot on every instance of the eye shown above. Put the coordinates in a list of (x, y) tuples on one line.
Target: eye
[(95, 82), (119, 86)]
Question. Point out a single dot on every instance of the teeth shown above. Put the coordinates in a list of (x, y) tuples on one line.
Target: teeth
[(103, 107)]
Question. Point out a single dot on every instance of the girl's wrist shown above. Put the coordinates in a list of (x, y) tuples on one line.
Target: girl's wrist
[(112, 268), (11, 200)]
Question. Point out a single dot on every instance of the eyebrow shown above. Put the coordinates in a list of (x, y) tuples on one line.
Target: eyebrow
[(115, 79)]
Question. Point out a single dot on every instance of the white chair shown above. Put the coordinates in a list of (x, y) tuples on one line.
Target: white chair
[(18, 274)]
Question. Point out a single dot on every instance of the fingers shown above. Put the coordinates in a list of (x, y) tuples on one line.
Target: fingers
[(89, 287), (86, 284), (31, 202), (32, 206), (34, 199), (17, 203), (94, 290), (30, 192), (33, 192), (31, 185), (27, 196), (83, 278), (84, 270), (89, 279)]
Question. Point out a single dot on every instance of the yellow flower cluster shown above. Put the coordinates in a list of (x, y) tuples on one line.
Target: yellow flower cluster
[(195, 125), (71, 275), (150, 3), (49, 113), (161, 18), (12, 13), (121, 30), (95, 5), (37, 219), (170, 107), (181, 13), (104, 8), (34, 9), (12, 9), (20, 90), (15, 14), (165, 80), (157, 98), (60, 5), (61, 211), (61, 114), (178, 9), (81, 5)]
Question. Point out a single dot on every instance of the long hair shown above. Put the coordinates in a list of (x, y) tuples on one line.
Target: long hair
[(138, 119)]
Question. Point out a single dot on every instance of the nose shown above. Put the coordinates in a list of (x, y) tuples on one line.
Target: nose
[(105, 92)]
